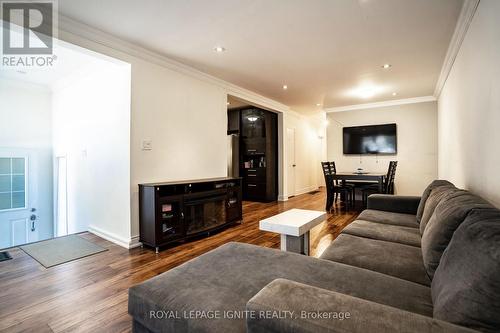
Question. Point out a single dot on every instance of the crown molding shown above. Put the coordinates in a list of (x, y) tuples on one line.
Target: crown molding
[(469, 8), (67, 25), (393, 102)]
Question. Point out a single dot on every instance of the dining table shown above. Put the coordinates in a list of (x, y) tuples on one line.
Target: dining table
[(374, 177)]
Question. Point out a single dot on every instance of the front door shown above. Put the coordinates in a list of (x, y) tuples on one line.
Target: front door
[(18, 198)]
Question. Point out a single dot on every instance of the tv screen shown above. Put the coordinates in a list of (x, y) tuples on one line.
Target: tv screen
[(375, 139)]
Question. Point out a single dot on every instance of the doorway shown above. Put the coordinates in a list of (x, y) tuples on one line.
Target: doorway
[(64, 133), (253, 146)]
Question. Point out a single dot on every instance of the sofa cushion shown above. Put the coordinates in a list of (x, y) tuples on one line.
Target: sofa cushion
[(285, 296), (398, 260), (466, 285), (226, 278), (448, 215), (437, 194), (385, 232), (425, 196), (405, 220)]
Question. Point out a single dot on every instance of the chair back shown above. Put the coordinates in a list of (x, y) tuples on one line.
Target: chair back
[(329, 169), (391, 175), (333, 168), (325, 166)]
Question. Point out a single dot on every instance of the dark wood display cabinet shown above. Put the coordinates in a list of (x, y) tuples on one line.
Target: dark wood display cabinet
[(175, 211), (258, 151)]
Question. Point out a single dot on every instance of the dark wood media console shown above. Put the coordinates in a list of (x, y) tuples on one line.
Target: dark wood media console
[(174, 211)]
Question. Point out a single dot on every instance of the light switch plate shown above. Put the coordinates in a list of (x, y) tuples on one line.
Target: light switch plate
[(147, 145)]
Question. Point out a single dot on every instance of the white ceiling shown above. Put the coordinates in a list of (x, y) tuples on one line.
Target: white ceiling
[(322, 49)]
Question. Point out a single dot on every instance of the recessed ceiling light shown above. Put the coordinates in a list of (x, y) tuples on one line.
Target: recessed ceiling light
[(219, 49), (366, 91), (228, 103), (318, 104), (285, 87), (386, 66), (394, 93)]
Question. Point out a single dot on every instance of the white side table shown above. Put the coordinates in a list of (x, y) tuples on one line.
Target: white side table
[(294, 226)]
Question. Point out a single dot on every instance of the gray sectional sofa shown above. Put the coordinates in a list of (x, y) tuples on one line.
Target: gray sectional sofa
[(407, 264)]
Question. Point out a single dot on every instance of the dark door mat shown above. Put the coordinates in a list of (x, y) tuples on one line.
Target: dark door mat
[(314, 192), (5, 256)]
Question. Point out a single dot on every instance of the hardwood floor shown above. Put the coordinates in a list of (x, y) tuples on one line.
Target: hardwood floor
[(90, 294)]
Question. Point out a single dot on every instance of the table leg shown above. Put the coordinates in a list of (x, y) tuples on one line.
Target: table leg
[(381, 185), (342, 194), (307, 248), (296, 244)]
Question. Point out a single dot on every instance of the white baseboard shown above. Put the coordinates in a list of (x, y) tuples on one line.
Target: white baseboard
[(134, 242), (298, 192), (282, 198), (306, 190), (128, 243)]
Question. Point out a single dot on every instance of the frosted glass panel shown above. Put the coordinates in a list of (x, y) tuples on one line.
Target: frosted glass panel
[(18, 199), (4, 200), (18, 166), (4, 166), (17, 183), (12, 183), (5, 183)]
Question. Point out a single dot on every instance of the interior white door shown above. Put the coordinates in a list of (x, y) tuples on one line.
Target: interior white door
[(18, 198), (291, 163)]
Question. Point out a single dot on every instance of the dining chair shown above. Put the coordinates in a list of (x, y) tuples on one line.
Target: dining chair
[(334, 188), (387, 186)]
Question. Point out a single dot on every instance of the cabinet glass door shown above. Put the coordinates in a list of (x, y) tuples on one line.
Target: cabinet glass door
[(171, 220), (253, 122)]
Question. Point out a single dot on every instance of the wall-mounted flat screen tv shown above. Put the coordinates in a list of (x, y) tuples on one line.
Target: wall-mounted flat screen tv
[(374, 139)]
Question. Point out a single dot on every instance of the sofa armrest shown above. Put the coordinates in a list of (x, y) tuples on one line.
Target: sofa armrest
[(394, 203), (288, 306)]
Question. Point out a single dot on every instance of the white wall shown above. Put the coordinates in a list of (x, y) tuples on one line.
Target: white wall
[(26, 127), (91, 121), (185, 118), (310, 149), (469, 109), (417, 143)]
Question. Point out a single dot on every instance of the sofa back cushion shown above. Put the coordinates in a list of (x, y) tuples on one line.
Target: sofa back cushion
[(466, 285), (437, 194), (450, 212), (425, 196)]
